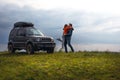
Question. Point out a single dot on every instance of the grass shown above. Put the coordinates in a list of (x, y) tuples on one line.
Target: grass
[(60, 66)]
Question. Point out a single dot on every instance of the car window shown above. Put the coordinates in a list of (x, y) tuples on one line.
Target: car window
[(21, 32), (33, 31)]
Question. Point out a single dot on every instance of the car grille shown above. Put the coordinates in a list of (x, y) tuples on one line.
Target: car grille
[(45, 39)]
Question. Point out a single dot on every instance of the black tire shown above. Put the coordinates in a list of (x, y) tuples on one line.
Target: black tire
[(30, 49), (50, 50), (11, 48)]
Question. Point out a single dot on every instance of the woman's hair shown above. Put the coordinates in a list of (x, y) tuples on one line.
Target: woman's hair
[(65, 26)]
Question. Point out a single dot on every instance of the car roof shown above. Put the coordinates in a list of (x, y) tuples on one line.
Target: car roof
[(23, 24)]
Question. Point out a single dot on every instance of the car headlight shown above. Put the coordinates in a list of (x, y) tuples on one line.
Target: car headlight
[(52, 40)]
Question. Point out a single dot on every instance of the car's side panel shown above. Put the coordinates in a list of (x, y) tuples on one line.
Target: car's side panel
[(20, 38)]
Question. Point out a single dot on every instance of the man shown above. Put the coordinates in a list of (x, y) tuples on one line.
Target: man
[(67, 33)]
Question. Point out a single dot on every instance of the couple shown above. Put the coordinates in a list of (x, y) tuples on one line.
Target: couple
[(67, 33)]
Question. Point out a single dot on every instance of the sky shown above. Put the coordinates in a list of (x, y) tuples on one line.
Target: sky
[(94, 21)]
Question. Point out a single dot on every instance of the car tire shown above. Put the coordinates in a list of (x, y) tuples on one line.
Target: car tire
[(11, 48), (30, 49), (50, 50)]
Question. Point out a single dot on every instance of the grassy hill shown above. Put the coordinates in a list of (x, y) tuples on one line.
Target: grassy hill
[(60, 66)]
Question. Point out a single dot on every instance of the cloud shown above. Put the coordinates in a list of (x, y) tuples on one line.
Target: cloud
[(89, 27), (92, 23), (110, 7)]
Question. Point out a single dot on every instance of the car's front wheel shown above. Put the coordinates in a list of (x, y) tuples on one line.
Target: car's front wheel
[(11, 48), (30, 49), (50, 50)]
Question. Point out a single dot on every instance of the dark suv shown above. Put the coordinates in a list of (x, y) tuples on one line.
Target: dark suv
[(25, 36)]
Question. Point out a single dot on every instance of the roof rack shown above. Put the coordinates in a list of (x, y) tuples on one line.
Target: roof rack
[(23, 24)]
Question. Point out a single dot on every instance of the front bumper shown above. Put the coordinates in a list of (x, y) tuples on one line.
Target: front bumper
[(44, 45)]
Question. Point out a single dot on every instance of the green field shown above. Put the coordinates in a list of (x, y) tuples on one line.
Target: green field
[(60, 66)]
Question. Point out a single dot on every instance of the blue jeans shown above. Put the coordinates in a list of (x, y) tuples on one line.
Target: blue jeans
[(67, 40)]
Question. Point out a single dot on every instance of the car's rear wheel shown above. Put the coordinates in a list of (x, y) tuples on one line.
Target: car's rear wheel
[(11, 48), (30, 49)]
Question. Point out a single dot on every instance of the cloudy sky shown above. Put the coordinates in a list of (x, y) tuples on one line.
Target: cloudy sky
[(95, 21)]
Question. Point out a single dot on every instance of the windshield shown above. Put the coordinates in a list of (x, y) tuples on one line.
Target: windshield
[(33, 31)]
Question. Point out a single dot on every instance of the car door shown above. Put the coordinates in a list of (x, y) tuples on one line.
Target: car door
[(21, 38)]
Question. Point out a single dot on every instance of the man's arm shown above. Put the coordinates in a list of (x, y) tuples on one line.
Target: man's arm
[(69, 33)]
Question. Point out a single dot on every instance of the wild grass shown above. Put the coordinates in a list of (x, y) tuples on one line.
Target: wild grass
[(60, 66)]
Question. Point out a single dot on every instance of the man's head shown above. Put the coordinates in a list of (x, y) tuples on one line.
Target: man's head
[(70, 24)]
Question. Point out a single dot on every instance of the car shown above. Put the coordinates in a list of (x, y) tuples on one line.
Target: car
[(25, 36)]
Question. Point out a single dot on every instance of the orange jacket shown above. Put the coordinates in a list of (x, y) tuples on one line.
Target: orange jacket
[(66, 29)]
